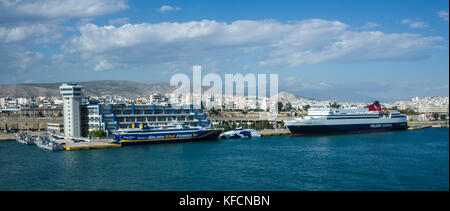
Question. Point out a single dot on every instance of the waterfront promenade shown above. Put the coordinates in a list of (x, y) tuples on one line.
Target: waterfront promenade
[(442, 124), (71, 146), (7, 137)]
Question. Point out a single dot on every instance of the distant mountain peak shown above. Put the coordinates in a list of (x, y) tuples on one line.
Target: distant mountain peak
[(92, 88)]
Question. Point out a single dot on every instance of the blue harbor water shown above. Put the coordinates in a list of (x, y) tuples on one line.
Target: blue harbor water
[(403, 160)]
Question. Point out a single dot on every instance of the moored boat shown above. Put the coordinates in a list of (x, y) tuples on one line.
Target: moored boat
[(240, 133), (25, 139), (45, 143), (326, 120), (173, 132)]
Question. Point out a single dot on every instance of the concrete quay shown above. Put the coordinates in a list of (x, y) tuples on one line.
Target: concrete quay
[(7, 137), (70, 145), (274, 132), (436, 124)]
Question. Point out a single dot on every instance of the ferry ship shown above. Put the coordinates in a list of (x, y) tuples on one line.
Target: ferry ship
[(326, 120), (173, 132)]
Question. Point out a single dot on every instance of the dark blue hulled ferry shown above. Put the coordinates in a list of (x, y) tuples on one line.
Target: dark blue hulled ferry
[(173, 132), (326, 120)]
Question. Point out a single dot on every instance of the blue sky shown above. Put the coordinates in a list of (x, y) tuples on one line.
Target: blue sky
[(346, 50)]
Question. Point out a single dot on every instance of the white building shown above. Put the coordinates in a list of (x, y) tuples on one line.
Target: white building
[(3, 102), (71, 94), (11, 103), (23, 101), (433, 109), (57, 101)]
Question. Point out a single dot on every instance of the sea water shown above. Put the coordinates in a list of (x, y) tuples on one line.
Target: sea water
[(400, 160)]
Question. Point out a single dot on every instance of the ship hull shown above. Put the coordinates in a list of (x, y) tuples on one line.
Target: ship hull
[(298, 130), (169, 137), (26, 142)]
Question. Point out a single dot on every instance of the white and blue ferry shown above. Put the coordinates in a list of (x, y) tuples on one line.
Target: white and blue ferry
[(173, 132), (326, 120)]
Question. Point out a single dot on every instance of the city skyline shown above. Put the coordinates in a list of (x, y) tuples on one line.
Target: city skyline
[(348, 49)]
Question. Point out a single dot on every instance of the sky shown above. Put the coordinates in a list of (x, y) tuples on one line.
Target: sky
[(323, 49)]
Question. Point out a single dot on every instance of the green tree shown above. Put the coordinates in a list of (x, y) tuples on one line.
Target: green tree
[(280, 106), (213, 112), (408, 112), (97, 133), (233, 126), (306, 107), (287, 106), (335, 105), (435, 116), (443, 116)]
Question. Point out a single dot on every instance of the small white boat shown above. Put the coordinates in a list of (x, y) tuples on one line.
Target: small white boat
[(25, 139), (240, 133), (45, 143)]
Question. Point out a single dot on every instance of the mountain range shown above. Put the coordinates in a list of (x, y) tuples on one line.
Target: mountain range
[(139, 89), (92, 88), (102, 88)]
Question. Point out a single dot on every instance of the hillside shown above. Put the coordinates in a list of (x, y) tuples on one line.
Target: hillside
[(21, 90), (289, 97), (101, 88), (93, 88)]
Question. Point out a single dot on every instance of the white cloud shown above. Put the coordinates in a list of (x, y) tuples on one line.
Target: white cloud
[(303, 42), (293, 83), (414, 24), (370, 25), (21, 60), (168, 8), (103, 65), (246, 67), (40, 33), (27, 25), (418, 24), (119, 21), (33, 10), (444, 15)]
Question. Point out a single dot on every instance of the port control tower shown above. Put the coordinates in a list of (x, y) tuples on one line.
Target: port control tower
[(71, 94)]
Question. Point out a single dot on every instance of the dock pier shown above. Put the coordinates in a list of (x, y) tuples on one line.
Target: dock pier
[(274, 132), (7, 137), (87, 145)]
